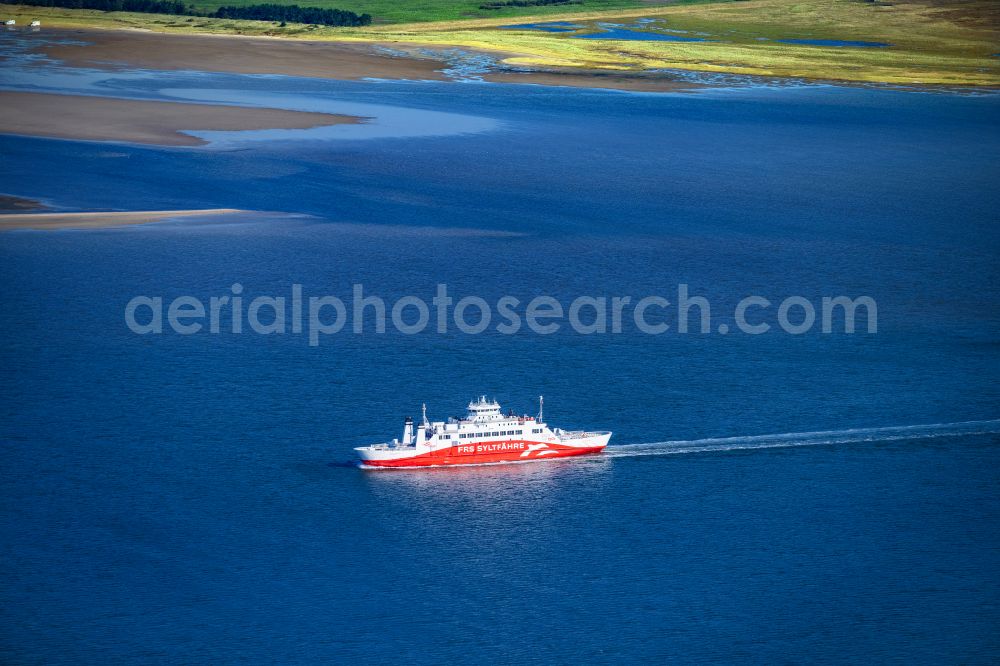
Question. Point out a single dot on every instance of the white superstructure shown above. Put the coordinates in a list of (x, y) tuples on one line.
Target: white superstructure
[(484, 433)]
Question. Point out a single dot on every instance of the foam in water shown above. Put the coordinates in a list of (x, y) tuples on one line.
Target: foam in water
[(820, 437), (782, 440)]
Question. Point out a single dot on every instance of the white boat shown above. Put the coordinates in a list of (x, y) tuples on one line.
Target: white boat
[(485, 435)]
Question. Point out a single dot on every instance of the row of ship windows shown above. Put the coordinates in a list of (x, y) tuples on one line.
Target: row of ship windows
[(502, 433)]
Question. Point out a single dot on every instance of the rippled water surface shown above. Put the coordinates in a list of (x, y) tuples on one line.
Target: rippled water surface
[(826, 497)]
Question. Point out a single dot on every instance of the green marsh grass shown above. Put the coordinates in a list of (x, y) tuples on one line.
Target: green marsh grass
[(933, 42)]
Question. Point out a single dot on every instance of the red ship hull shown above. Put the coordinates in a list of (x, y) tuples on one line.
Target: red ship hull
[(489, 452)]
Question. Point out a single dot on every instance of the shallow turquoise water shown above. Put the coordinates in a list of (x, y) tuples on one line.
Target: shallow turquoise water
[(550, 26), (642, 30), (191, 498), (637, 35)]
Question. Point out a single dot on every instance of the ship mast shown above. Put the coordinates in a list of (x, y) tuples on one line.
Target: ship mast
[(541, 404)]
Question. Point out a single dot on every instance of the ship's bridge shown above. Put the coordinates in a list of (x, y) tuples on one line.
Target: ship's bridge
[(483, 410)]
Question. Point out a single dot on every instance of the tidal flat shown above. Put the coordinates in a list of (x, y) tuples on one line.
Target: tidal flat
[(94, 118), (933, 42)]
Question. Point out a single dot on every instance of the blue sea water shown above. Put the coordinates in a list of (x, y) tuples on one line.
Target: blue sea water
[(638, 32), (549, 26), (637, 35), (771, 498)]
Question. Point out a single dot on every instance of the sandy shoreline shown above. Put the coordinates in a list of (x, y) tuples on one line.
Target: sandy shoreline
[(585, 78), (158, 123), (233, 53), (100, 220), (115, 49)]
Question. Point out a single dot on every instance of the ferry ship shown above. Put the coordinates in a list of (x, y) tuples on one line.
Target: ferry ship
[(485, 435)]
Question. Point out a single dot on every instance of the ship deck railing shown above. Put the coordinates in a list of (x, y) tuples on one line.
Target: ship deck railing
[(386, 446), (579, 434)]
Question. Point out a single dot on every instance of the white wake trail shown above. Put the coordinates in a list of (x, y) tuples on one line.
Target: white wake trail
[(818, 438)]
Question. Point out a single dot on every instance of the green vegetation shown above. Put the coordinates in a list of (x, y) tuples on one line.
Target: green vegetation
[(933, 41), (493, 6), (265, 12), (411, 11), (292, 13), (948, 42)]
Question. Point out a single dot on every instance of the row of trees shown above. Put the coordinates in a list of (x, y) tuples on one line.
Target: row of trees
[(265, 12), (527, 3), (294, 14)]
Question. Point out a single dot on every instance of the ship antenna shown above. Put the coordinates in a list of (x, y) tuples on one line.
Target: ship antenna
[(541, 404), (423, 408)]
